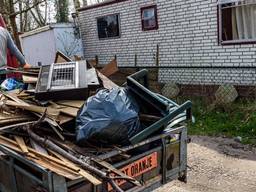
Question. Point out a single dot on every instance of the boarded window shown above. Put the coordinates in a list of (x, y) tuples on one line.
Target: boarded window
[(149, 18), (108, 26)]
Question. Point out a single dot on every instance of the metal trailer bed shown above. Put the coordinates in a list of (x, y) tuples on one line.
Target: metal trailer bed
[(153, 160), (165, 158)]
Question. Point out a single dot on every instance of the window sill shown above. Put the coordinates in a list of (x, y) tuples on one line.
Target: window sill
[(238, 42), (151, 29), (109, 38)]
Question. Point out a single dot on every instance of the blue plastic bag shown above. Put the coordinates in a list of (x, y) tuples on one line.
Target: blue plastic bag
[(109, 117), (11, 84)]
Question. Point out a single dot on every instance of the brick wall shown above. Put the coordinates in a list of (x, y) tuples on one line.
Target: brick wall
[(187, 36)]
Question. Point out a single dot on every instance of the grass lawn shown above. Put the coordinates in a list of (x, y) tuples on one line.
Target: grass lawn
[(237, 119)]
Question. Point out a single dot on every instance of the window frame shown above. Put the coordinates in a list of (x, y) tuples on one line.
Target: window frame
[(220, 27), (156, 17), (119, 26)]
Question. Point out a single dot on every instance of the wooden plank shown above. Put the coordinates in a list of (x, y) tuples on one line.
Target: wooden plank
[(89, 177), (107, 83), (57, 168), (12, 121), (18, 93), (14, 98), (21, 144), (93, 62), (38, 147), (82, 172), (29, 79), (62, 167), (62, 119), (34, 108), (57, 132), (16, 125), (110, 68), (15, 104), (76, 104), (50, 121), (69, 111), (55, 105), (13, 145), (61, 58)]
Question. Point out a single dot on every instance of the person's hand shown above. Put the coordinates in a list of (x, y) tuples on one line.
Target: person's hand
[(27, 66)]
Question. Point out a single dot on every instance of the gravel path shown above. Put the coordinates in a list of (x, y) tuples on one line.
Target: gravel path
[(217, 164)]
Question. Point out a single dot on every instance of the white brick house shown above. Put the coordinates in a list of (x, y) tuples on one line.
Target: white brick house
[(203, 36)]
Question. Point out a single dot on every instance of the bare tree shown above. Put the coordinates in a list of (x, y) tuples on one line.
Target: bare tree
[(10, 12), (62, 10), (88, 2)]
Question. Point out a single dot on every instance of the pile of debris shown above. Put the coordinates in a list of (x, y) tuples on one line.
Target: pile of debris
[(40, 126)]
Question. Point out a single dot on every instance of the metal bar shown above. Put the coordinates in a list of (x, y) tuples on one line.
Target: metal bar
[(157, 55), (124, 149), (77, 75), (50, 78), (13, 177), (170, 102), (132, 82), (171, 173), (17, 156), (154, 127), (59, 183), (188, 67), (130, 160), (24, 172), (139, 75), (183, 155), (164, 163), (50, 182)]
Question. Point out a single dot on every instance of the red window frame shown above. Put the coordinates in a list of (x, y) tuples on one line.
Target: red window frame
[(156, 18)]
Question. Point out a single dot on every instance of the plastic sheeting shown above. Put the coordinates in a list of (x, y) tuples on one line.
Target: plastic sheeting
[(109, 117)]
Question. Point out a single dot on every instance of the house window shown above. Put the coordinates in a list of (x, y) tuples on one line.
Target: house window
[(149, 18), (108, 26), (237, 21)]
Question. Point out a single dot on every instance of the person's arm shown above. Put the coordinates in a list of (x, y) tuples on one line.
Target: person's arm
[(15, 51)]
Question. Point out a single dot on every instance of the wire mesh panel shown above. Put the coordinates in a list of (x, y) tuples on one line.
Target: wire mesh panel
[(71, 80), (63, 76)]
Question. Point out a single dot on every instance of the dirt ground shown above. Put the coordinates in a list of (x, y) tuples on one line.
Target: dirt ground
[(217, 164)]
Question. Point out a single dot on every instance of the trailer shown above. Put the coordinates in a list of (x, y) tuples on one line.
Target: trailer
[(153, 162), (156, 155)]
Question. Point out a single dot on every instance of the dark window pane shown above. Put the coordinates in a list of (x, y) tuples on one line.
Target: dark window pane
[(108, 26), (149, 18), (227, 24)]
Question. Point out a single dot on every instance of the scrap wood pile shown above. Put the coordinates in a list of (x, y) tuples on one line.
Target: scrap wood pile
[(40, 132), (76, 138)]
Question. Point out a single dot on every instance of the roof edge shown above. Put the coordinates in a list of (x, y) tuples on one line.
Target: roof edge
[(35, 31), (103, 4)]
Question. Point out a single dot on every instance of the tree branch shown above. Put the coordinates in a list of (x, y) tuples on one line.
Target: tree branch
[(27, 9)]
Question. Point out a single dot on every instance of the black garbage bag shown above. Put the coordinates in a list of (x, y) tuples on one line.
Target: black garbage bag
[(109, 117)]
